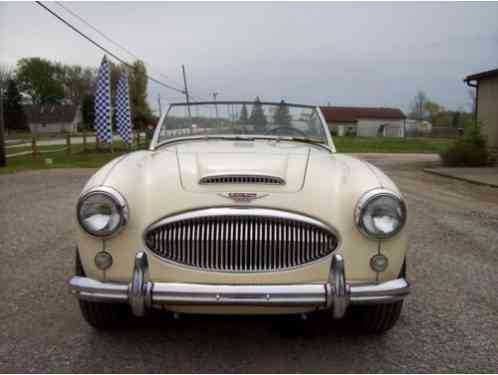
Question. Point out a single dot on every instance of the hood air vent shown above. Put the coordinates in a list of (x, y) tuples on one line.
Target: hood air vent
[(241, 179)]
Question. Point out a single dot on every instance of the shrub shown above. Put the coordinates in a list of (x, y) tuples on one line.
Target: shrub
[(470, 150)]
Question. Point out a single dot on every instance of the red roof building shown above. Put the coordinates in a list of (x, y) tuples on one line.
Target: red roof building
[(365, 121), (352, 114)]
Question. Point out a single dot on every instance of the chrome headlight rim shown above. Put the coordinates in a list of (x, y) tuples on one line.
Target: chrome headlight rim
[(119, 202), (363, 203)]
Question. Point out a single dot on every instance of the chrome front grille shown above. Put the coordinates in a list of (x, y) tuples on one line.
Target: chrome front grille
[(241, 240), (241, 179)]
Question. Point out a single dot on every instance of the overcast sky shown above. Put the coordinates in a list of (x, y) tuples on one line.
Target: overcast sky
[(354, 54)]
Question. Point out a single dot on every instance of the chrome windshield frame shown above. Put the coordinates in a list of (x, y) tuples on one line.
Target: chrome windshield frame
[(154, 144)]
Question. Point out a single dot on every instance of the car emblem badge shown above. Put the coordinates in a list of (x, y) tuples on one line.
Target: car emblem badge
[(242, 197)]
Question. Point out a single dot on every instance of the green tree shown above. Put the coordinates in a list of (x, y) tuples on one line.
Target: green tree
[(88, 110), (433, 111), (5, 74), (282, 116), (77, 82), (140, 110), (137, 83), (417, 106), (258, 118), (455, 120), (244, 116), (14, 115), (41, 79)]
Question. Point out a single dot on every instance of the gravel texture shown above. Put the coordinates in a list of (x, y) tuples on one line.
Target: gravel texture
[(449, 322)]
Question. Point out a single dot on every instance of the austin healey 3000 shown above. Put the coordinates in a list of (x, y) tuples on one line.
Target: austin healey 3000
[(241, 208)]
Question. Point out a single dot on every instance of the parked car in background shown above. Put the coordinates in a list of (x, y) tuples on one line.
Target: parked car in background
[(241, 208)]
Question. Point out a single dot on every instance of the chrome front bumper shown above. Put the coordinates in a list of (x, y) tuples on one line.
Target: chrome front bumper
[(334, 295)]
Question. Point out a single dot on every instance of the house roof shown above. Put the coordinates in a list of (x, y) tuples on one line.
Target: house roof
[(482, 75), (49, 114), (352, 114)]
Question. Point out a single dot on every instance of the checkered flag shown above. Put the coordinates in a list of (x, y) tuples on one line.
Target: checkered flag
[(103, 118), (123, 117)]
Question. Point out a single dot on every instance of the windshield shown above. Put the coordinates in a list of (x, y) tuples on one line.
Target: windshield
[(253, 119)]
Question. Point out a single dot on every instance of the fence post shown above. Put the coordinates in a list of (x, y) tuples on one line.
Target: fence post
[(138, 139), (68, 144), (33, 147), (97, 142), (84, 138)]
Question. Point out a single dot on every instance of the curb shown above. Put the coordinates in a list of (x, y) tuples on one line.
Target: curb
[(469, 180)]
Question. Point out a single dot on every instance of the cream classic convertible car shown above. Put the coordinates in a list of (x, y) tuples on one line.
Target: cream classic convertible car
[(241, 208)]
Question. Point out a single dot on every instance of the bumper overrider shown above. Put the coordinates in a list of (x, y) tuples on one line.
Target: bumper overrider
[(335, 295)]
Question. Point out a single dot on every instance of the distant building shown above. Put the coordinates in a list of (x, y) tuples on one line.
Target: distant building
[(415, 128), (365, 121), (486, 111), (52, 118)]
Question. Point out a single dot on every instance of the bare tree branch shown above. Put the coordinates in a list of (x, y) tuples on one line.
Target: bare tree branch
[(473, 99), (6, 73)]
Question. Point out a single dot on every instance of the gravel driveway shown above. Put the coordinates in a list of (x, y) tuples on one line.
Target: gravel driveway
[(449, 323)]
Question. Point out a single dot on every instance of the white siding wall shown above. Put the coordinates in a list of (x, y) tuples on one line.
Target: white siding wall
[(487, 108), (370, 128), (341, 128)]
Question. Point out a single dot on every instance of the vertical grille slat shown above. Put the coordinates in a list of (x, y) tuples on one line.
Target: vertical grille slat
[(210, 244), (224, 246), (241, 243), (267, 246)]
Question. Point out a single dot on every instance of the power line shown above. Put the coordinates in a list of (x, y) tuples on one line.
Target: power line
[(109, 39), (105, 49)]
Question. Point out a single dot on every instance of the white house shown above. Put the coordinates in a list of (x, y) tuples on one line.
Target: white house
[(416, 127), (365, 121), (486, 108), (52, 118)]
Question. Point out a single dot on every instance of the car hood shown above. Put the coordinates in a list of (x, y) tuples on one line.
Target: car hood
[(218, 162), (317, 182)]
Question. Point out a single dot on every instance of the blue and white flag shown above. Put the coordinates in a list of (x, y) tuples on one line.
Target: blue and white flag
[(123, 117), (103, 118)]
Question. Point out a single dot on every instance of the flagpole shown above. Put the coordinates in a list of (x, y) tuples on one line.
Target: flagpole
[(110, 122)]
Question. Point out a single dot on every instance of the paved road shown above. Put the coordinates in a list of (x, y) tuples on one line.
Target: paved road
[(449, 323)]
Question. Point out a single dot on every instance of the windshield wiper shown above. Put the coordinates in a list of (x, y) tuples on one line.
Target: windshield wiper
[(237, 138), (295, 139), (306, 140), (205, 137)]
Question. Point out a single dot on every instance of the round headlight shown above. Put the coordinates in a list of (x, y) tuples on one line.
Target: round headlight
[(102, 212), (380, 214)]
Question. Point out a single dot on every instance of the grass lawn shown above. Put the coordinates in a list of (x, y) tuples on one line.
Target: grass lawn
[(15, 150), (391, 145), (95, 159), (77, 159)]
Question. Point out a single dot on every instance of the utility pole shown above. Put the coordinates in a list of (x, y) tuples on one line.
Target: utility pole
[(3, 158), (159, 105), (215, 94), (186, 90)]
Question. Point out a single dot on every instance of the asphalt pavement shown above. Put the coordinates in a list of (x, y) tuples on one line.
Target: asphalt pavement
[(449, 322)]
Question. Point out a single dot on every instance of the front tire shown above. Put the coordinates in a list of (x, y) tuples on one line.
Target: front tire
[(382, 317), (102, 316), (379, 318)]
